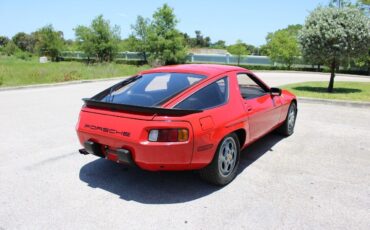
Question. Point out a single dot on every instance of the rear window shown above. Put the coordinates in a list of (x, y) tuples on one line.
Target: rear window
[(152, 89)]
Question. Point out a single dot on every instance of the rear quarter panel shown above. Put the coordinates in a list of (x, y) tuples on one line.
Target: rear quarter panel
[(213, 124)]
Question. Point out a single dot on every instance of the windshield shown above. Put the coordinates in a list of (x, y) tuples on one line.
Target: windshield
[(151, 89)]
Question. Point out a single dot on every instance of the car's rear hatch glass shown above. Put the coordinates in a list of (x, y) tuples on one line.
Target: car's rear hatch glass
[(145, 93)]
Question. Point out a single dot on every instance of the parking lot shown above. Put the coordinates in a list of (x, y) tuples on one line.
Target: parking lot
[(319, 178)]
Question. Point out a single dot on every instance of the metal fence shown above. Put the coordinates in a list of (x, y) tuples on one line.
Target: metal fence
[(229, 59), (191, 58)]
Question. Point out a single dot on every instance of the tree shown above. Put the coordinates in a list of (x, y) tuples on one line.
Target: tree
[(364, 61), (3, 41), (264, 50), (332, 34), (188, 40), (128, 44), (71, 45), (10, 48), (24, 41), (283, 45), (48, 41), (238, 49), (166, 43), (200, 40), (99, 40), (220, 44), (252, 49), (139, 38), (86, 42)]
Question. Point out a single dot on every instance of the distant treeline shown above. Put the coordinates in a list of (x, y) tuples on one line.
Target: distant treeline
[(342, 42)]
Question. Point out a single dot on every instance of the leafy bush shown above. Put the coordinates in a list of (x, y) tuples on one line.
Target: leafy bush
[(10, 48), (23, 55)]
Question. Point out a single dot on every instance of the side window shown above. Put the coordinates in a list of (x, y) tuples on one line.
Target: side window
[(214, 94), (249, 88)]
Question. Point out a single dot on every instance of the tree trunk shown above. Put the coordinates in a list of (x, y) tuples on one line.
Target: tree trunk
[(332, 76), (145, 60)]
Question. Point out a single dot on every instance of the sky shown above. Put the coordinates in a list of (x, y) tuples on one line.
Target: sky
[(248, 20)]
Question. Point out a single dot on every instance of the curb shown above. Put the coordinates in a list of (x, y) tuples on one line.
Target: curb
[(355, 104), (316, 73), (59, 84)]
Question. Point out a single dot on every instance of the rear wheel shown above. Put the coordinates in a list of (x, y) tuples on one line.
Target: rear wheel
[(287, 128), (224, 166)]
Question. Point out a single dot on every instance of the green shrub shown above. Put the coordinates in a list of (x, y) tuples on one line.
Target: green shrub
[(23, 55), (10, 48)]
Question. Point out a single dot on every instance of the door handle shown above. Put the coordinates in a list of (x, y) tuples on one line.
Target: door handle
[(249, 108)]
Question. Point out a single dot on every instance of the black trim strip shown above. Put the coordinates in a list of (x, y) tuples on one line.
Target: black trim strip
[(89, 102), (108, 91)]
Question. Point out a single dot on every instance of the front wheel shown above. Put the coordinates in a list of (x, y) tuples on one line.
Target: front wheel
[(287, 128), (224, 166)]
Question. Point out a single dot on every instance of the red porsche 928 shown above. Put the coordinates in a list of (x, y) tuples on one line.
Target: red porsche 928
[(184, 117)]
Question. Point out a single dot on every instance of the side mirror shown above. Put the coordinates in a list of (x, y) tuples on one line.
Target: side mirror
[(275, 91)]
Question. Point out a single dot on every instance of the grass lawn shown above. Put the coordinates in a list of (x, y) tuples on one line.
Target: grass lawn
[(352, 91), (15, 72)]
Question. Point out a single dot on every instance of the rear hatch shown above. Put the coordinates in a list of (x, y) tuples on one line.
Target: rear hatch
[(130, 130), (123, 115)]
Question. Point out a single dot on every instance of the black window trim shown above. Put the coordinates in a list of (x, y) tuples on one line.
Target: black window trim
[(257, 81), (227, 96)]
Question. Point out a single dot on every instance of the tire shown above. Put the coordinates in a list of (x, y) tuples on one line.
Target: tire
[(287, 128), (224, 166)]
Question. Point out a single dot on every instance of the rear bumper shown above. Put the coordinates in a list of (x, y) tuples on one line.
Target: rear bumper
[(147, 156), (119, 155), (110, 132)]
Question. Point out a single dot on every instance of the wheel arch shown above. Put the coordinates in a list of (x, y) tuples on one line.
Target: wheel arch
[(242, 136), (295, 101)]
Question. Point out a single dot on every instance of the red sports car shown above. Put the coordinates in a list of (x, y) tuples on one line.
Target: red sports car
[(184, 117)]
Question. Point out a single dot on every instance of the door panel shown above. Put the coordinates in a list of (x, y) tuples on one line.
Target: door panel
[(263, 114), (262, 109)]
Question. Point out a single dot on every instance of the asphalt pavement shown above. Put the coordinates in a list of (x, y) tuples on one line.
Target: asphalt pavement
[(319, 178)]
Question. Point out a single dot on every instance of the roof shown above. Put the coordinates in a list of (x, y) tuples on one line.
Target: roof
[(202, 69)]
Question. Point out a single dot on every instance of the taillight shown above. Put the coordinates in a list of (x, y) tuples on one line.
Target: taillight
[(168, 135)]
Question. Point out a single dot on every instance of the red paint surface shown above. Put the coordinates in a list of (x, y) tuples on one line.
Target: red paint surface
[(255, 117)]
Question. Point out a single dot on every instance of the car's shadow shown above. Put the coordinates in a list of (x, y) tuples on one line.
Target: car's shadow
[(162, 187)]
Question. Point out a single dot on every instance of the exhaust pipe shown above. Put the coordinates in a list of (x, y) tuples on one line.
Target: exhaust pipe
[(83, 151)]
